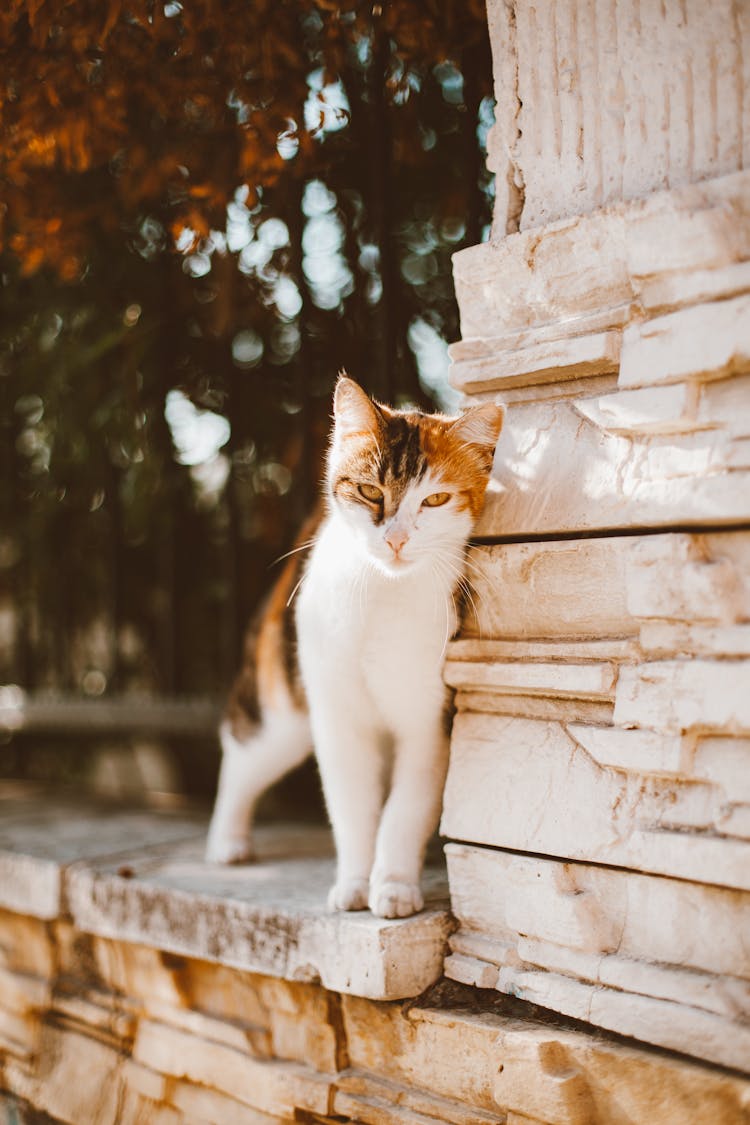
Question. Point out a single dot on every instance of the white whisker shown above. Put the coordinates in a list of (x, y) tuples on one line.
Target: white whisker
[(294, 551), (463, 584), (290, 599)]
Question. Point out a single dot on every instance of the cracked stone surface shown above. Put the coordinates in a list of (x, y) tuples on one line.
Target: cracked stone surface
[(140, 876), (99, 1029), (597, 793)]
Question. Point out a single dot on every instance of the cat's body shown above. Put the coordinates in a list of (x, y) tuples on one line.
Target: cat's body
[(353, 664)]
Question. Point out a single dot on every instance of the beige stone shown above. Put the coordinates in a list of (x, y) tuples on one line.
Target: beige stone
[(640, 751), (501, 142), (658, 410), (30, 868), (572, 590), (436, 1060), (142, 1080), (27, 883), (269, 917), (446, 1053), (711, 339), (619, 916), (515, 1067), (137, 970), (557, 708), (726, 762), (375, 1101), (613, 104), (274, 1087), (603, 107), (23, 1000), (692, 578), (619, 459), (62, 1087), (26, 945), (544, 362), (583, 592), (642, 1017), (677, 696), (667, 292), (558, 471), (572, 270), (583, 681), (560, 651), (517, 783), (199, 1104), (94, 1009), (724, 404), (596, 265), (614, 936)]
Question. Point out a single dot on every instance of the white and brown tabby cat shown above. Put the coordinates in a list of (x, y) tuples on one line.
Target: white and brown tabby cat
[(353, 664)]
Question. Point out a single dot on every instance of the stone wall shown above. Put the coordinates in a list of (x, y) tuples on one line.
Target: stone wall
[(607, 100), (138, 986), (598, 797), (597, 803)]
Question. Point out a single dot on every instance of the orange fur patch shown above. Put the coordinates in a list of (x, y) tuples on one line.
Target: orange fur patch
[(269, 674)]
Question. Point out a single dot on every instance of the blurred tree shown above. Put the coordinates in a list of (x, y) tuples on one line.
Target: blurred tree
[(207, 209)]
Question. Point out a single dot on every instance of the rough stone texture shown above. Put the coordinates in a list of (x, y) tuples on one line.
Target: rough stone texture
[(613, 100), (661, 772), (653, 630), (620, 342), (269, 916), (598, 792), (588, 940), (38, 840), (126, 1034), (603, 670)]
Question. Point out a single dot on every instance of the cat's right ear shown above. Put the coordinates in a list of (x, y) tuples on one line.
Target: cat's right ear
[(354, 412)]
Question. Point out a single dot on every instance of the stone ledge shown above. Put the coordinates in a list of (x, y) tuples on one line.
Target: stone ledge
[(115, 1034), (588, 941), (139, 876)]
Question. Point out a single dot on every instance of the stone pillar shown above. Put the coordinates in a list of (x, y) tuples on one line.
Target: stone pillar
[(599, 789)]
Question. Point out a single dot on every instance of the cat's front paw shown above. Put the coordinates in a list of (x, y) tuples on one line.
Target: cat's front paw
[(395, 900), (348, 894), (229, 849)]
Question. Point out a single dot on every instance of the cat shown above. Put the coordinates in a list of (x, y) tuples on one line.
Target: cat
[(347, 655)]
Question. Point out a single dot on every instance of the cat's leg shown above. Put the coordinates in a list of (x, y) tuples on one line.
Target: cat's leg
[(281, 742), (409, 818), (349, 753)]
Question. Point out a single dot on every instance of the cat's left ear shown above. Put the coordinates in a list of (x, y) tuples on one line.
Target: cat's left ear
[(480, 425), (354, 412)]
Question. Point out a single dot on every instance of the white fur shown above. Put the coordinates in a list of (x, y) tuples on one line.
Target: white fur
[(374, 614), (372, 636), (247, 770)]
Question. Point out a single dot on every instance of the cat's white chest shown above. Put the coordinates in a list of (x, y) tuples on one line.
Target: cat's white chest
[(403, 651), (405, 621), (378, 639)]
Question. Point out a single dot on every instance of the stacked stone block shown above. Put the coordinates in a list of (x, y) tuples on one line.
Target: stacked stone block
[(109, 1032), (598, 797)]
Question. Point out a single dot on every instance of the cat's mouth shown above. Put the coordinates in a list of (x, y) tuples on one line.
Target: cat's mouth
[(395, 564)]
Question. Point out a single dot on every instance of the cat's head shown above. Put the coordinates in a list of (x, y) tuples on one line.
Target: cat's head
[(410, 486)]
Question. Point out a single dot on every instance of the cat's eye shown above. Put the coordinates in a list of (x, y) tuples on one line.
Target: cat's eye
[(436, 500), (371, 492)]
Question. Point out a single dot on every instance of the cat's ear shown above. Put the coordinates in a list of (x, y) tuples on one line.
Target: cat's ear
[(479, 425), (354, 412)]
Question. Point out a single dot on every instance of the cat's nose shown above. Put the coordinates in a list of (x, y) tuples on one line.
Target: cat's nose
[(395, 537)]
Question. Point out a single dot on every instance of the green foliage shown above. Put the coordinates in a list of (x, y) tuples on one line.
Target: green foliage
[(208, 207)]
